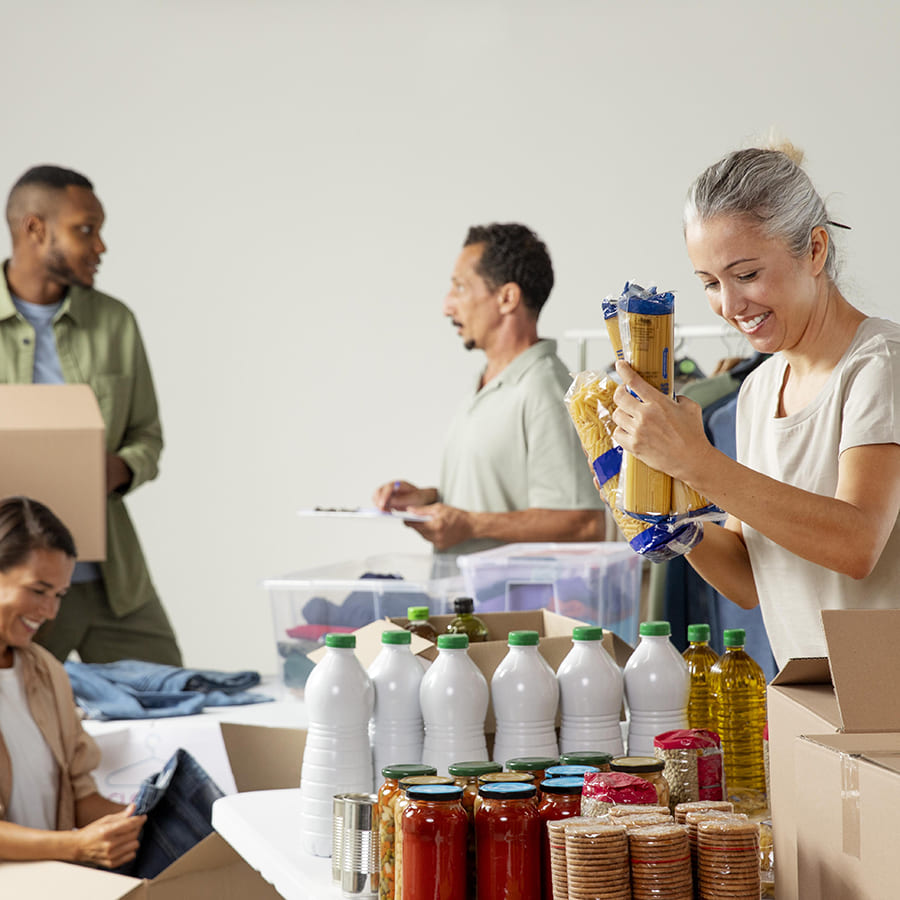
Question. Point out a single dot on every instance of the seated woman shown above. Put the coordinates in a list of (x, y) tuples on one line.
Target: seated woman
[(49, 804)]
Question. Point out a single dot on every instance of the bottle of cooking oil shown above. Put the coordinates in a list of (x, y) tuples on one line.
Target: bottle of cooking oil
[(737, 689), (466, 622), (700, 658)]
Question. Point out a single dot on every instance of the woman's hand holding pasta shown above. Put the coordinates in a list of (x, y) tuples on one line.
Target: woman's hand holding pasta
[(662, 432)]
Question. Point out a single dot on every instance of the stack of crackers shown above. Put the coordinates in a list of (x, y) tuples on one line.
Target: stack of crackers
[(660, 863), (728, 859), (597, 862)]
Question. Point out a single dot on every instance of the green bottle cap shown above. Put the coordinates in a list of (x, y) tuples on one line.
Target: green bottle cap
[(523, 639), (656, 629), (587, 633), (734, 637), (396, 637), (417, 613), (698, 632), (344, 641), (453, 641)]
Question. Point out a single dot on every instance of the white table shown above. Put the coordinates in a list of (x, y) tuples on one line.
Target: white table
[(132, 749), (264, 828)]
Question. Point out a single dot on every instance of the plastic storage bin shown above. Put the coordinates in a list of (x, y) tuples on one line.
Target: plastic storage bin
[(342, 597), (598, 583)]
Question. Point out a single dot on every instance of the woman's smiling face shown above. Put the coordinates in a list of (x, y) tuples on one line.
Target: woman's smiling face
[(754, 282), (29, 596)]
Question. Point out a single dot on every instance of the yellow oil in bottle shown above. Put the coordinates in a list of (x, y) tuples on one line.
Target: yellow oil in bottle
[(738, 703), (700, 658)]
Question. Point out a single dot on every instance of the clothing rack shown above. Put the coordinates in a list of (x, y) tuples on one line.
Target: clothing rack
[(581, 336)]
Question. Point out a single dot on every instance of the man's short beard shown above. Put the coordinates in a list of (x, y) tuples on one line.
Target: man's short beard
[(469, 344)]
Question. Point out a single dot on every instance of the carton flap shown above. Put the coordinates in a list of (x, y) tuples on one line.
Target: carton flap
[(263, 757), (59, 879), (812, 670), (880, 749), (862, 651), (49, 406)]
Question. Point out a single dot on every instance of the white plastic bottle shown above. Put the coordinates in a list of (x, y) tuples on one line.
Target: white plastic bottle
[(657, 685), (454, 700), (525, 694), (395, 728), (591, 690), (337, 758)]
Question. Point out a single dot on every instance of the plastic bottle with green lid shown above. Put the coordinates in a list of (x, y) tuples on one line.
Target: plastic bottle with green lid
[(466, 622), (738, 699), (525, 695), (700, 658), (337, 757), (454, 699), (657, 685), (590, 695), (417, 623)]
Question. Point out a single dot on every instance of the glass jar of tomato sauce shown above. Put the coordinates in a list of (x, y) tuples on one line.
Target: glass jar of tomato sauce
[(535, 766), (387, 794), (596, 758), (466, 775), (502, 778), (508, 841), (401, 801), (434, 827), (560, 799)]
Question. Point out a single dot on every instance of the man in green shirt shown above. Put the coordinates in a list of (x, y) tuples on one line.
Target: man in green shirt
[(55, 328), (513, 469)]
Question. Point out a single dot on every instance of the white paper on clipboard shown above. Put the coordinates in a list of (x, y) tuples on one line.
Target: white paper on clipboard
[(360, 512)]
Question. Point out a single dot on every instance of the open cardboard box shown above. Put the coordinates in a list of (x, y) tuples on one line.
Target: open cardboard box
[(52, 443), (834, 759), (555, 641), (261, 758)]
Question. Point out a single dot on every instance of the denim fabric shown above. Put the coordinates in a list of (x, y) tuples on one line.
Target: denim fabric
[(131, 689), (178, 804)]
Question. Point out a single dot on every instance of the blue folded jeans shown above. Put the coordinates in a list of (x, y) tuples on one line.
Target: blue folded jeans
[(178, 804)]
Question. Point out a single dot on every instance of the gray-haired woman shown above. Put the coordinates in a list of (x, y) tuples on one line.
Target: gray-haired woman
[(813, 499)]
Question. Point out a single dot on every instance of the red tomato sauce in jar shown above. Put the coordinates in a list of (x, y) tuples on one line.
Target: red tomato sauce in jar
[(508, 842), (434, 825)]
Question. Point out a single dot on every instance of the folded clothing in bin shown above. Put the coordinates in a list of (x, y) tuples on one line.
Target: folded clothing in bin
[(357, 609)]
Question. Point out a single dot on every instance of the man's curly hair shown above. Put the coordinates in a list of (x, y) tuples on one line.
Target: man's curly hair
[(514, 253)]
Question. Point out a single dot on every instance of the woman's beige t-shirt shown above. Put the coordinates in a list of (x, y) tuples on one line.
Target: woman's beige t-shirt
[(859, 405)]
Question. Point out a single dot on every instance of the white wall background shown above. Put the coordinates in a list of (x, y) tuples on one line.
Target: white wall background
[(288, 183)]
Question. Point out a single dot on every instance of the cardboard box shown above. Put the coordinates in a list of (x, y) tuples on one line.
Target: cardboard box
[(822, 714), (848, 815), (261, 757), (555, 642), (52, 443)]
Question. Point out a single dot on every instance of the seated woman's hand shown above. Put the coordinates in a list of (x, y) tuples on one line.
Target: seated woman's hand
[(109, 841)]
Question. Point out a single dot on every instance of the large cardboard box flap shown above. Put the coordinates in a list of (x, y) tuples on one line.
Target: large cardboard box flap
[(862, 652), (263, 757), (52, 448), (848, 815)]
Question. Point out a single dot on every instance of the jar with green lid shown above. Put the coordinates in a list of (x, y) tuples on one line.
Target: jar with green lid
[(466, 622), (417, 623), (387, 794), (466, 775), (401, 801), (647, 767), (535, 766), (596, 758)]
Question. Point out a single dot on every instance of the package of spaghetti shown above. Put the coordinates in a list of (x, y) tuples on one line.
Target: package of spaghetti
[(646, 323), (589, 400)]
